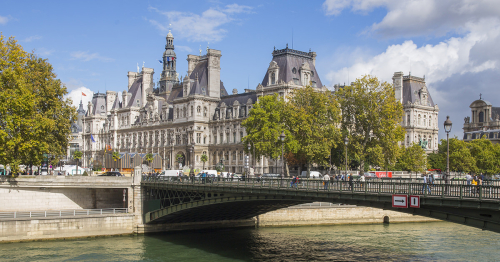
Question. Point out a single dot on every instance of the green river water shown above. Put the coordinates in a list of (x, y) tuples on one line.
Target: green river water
[(436, 241)]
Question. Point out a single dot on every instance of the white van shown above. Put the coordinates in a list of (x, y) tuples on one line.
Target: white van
[(171, 174), (312, 174)]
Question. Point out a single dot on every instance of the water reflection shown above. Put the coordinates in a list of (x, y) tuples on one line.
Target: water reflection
[(395, 242)]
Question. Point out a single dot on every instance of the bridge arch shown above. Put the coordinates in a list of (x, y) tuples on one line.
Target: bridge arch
[(187, 202)]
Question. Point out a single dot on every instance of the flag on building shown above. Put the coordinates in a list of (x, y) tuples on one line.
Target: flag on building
[(83, 94), (92, 138), (161, 62)]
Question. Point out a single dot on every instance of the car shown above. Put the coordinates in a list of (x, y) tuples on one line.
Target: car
[(370, 175), (111, 173), (266, 176)]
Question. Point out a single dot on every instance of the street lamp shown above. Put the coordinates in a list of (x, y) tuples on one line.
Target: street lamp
[(447, 129), (282, 138), (191, 171), (248, 161), (346, 141)]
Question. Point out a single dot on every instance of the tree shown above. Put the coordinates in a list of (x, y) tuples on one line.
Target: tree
[(34, 116), (116, 157), (204, 158), (264, 124), (77, 155), (412, 158), (485, 155), (370, 118), (312, 120), (179, 158), (149, 157), (461, 157)]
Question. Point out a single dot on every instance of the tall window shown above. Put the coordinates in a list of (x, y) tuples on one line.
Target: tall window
[(221, 138), (273, 78), (234, 138), (425, 120), (430, 121), (198, 138), (215, 139), (481, 117), (241, 136), (241, 155), (204, 111), (204, 140), (234, 155), (419, 122), (192, 110)]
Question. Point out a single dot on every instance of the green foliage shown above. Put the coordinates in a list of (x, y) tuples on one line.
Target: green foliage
[(264, 125), (308, 120), (204, 158), (179, 158), (412, 158), (370, 118), (436, 161), (116, 156), (149, 157), (85, 173), (77, 155), (34, 116), (486, 156)]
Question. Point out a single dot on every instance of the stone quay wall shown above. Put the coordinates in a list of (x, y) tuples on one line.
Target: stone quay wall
[(334, 215), (69, 227)]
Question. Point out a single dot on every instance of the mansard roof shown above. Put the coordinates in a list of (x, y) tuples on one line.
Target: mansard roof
[(201, 72), (99, 104), (411, 90), (288, 59), (241, 98), (136, 93), (117, 104)]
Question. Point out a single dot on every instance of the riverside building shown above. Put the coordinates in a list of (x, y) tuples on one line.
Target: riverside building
[(483, 122), (189, 117)]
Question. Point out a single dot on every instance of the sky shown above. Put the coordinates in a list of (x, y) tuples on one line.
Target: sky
[(93, 44)]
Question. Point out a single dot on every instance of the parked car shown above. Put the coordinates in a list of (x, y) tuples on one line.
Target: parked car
[(267, 176), (111, 173), (370, 175)]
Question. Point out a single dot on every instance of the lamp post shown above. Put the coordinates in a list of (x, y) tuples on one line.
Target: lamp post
[(191, 171), (447, 129), (172, 154), (248, 161), (346, 141), (282, 138)]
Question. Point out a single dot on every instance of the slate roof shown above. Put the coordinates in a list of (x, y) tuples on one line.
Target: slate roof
[(99, 102), (117, 104), (80, 110), (287, 59), (201, 72), (241, 98), (136, 93), (411, 90)]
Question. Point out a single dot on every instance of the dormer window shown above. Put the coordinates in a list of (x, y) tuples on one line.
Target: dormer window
[(294, 70), (273, 78)]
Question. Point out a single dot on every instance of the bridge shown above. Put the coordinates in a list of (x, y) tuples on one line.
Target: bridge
[(172, 201)]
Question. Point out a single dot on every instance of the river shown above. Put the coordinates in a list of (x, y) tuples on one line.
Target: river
[(436, 241)]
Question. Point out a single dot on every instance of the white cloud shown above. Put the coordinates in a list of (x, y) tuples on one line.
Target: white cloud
[(206, 27), (76, 96), (437, 62), (86, 56), (413, 18), (32, 38), (3, 20)]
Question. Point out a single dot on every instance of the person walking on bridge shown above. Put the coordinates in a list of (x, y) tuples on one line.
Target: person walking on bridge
[(425, 185), (326, 181), (350, 182)]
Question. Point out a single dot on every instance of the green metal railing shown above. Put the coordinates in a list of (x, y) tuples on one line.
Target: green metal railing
[(454, 189)]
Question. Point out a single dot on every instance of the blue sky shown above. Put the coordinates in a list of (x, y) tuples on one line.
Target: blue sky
[(93, 44)]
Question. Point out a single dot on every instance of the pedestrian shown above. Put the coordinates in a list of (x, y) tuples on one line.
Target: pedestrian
[(362, 180), (297, 181), (350, 182), (294, 180), (425, 185), (431, 180), (468, 177), (326, 181)]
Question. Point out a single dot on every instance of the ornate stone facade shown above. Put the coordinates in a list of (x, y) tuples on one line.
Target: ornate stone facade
[(485, 121), (420, 118), (195, 114)]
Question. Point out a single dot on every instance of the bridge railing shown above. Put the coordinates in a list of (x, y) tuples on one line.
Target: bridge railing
[(61, 213), (454, 190)]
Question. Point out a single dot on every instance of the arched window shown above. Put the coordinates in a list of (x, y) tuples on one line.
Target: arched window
[(408, 120), (204, 111), (407, 140), (430, 121), (425, 120), (184, 112), (177, 112), (419, 122), (273, 78), (198, 110), (481, 117)]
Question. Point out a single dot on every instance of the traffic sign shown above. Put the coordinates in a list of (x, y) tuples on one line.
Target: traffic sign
[(415, 201), (400, 201)]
